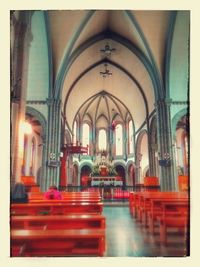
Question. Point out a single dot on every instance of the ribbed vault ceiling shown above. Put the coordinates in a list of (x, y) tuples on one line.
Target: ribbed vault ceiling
[(77, 38)]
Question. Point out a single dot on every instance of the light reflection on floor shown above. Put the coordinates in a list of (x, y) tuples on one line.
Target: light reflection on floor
[(127, 238)]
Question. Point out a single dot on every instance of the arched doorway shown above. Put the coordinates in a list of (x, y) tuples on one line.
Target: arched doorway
[(39, 149), (75, 175), (85, 172), (121, 172), (33, 150), (131, 175), (182, 140), (142, 159)]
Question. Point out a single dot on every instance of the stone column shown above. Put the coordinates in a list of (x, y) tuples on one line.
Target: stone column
[(19, 74), (164, 135), (53, 142)]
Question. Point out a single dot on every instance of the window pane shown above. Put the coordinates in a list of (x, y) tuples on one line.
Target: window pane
[(130, 136), (102, 140), (86, 133), (118, 135)]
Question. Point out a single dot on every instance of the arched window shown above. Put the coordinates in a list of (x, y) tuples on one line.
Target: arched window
[(86, 135), (119, 143), (102, 139), (130, 136), (75, 132)]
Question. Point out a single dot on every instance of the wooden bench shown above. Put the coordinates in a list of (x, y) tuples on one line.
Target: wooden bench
[(156, 209), (55, 208), (72, 221), (78, 242), (179, 221), (139, 202), (63, 201), (146, 202), (67, 195)]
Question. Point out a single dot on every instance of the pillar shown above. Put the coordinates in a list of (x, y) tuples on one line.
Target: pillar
[(164, 135), (53, 142), (19, 74)]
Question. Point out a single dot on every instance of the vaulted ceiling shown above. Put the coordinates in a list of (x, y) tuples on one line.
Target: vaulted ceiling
[(137, 40)]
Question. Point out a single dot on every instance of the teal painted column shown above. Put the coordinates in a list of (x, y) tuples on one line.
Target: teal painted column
[(164, 136), (53, 142), (152, 159)]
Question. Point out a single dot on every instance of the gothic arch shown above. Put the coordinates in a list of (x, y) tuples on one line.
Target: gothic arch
[(33, 112), (138, 155), (41, 179), (176, 118)]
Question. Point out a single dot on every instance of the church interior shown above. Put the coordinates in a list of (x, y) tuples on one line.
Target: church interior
[(100, 110)]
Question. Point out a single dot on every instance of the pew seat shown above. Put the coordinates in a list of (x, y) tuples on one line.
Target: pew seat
[(66, 195), (71, 221), (55, 208), (40, 243), (176, 208), (179, 221)]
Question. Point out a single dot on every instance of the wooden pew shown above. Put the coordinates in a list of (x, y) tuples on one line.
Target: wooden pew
[(140, 201), (33, 196), (55, 208), (78, 242), (179, 221), (71, 221), (147, 202), (67, 200), (156, 209)]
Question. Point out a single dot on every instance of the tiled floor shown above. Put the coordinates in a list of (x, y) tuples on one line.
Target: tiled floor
[(127, 238)]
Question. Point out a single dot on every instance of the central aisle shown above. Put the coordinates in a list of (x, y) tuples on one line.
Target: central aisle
[(126, 238)]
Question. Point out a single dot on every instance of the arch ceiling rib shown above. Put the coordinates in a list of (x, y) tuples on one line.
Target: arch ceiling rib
[(137, 63)]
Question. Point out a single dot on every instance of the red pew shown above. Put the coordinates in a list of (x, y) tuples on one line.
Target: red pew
[(178, 221), (55, 208), (71, 221), (78, 242)]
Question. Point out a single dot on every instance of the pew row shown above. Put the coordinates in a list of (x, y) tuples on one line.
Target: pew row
[(139, 202), (55, 208), (78, 242), (156, 209), (178, 221), (163, 209), (68, 200), (66, 195), (71, 221)]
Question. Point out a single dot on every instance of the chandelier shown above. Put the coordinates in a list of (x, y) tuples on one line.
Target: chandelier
[(107, 51), (106, 72)]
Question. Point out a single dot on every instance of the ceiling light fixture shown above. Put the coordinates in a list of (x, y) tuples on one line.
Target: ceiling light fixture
[(107, 51), (106, 72)]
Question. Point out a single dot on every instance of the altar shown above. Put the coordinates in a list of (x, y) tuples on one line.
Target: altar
[(104, 173), (106, 181)]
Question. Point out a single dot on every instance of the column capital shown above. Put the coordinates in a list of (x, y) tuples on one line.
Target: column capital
[(53, 102), (163, 102)]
